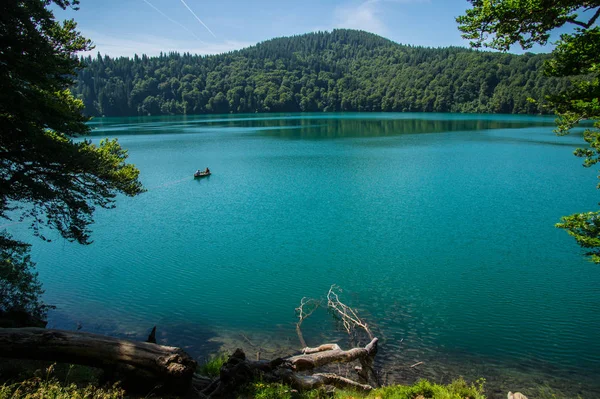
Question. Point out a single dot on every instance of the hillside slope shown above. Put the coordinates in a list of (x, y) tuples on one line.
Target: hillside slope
[(343, 70)]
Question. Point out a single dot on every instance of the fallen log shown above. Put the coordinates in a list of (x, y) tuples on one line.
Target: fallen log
[(239, 371), (329, 353), (149, 365)]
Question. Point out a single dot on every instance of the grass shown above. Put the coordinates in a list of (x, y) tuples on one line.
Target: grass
[(50, 387), (56, 383), (38, 389), (213, 365), (458, 389)]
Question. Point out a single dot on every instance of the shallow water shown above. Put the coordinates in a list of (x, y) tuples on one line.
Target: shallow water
[(438, 228)]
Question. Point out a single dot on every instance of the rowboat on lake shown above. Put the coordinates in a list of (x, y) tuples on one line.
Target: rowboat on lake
[(199, 174)]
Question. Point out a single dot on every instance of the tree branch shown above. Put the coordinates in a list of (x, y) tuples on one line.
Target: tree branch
[(312, 305), (588, 24), (348, 316), (330, 353), (307, 382)]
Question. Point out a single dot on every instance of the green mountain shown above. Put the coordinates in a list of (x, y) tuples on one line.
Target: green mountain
[(343, 70)]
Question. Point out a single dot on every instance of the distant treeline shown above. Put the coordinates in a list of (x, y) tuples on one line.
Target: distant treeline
[(345, 70)]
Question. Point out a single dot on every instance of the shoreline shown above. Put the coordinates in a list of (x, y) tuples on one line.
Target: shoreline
[(435, 364)]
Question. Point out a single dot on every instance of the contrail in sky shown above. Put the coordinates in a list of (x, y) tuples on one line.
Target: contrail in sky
[(172, 20), (199, 20)]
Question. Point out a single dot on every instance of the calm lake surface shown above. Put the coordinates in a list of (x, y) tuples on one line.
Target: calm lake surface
[(439, 228)]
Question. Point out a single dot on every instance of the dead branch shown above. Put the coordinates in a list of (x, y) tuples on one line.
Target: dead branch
[(308, 382), (238, 370), (318, 357), (347, 315), (303, 314), (248, 340), (322, 348), (351, 320)]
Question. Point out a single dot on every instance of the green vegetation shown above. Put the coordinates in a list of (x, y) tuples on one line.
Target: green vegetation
[(458, 389), (343, 70), (502, 23), (212, 367), (20, 303), (63, 381), (50, 387), (56, 381), (46, 177)]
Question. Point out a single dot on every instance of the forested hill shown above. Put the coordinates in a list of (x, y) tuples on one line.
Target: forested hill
[(343, 70)]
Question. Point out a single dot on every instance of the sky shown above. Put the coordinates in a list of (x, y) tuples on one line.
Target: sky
[(128, 27)]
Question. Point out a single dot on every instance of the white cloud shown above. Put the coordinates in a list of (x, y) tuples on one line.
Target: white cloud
[(153, 45), (363, 16), (366, 15)]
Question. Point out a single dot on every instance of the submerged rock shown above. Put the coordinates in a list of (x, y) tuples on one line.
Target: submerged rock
[(516, 395)]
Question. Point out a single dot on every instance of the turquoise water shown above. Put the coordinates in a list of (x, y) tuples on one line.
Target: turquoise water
[(438, 228)]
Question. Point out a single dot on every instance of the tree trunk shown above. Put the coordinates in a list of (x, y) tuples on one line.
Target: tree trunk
[(149, 365)]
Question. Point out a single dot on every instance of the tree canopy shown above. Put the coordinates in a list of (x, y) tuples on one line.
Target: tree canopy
[(342, 70), (49, 176), (501, 23)]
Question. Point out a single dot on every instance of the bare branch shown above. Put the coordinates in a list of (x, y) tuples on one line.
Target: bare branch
[(330, 353), (322, 348), (311, 305), (347, 315), (307, 382)]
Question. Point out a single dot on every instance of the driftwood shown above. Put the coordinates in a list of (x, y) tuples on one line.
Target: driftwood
[(147, 365), (306, 308), (330, 353), (239, 371), (351, 321)]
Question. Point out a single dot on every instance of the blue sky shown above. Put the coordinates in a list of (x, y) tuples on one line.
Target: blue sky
[(126, 27)]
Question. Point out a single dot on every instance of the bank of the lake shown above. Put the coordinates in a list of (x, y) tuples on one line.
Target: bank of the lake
[(439, 228)]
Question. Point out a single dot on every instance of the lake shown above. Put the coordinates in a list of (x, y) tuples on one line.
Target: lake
[(439, 229)]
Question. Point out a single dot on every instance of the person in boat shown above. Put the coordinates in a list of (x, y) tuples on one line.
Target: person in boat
[(198, 172), (207, 170)]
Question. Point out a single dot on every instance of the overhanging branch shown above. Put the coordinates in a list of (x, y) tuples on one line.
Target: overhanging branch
[(589, 23)]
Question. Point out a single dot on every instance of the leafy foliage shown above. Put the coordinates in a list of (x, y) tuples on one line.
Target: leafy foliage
[(20, 289), (585, 228), (500, 24), (343, 70), (47, 177)]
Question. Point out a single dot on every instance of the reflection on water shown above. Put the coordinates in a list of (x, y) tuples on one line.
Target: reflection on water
[(319, 126), (342, 128)]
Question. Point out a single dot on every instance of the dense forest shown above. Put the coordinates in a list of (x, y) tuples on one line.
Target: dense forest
[(343, 70)]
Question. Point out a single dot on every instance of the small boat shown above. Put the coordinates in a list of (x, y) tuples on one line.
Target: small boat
[(199, 174)]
